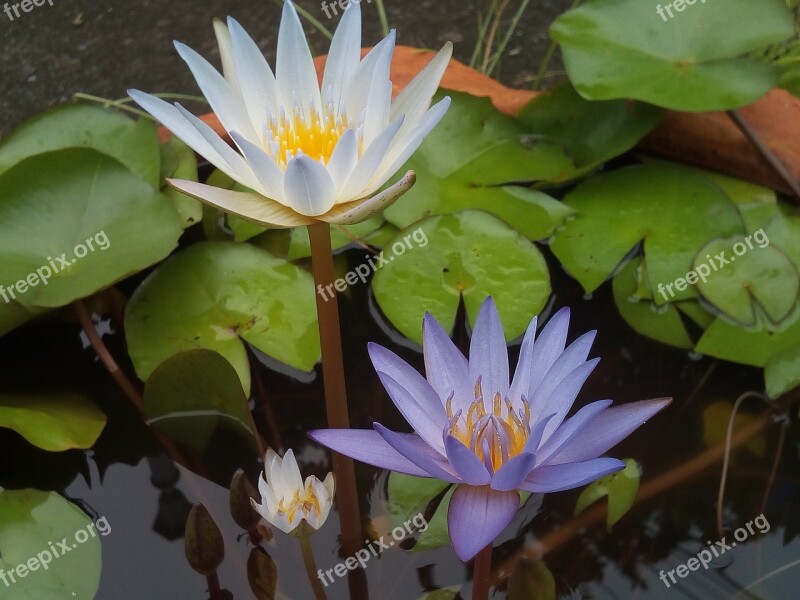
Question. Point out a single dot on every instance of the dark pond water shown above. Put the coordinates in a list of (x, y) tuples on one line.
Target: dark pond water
[(145, 497)]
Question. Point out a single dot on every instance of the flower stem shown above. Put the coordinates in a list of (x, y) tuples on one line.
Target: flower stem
[(336, 398), (311, 567), (482, 573)]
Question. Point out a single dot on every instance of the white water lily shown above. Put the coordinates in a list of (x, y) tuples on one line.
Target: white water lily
[(309, 153), (287, 502)]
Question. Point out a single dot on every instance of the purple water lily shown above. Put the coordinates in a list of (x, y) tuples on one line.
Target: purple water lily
[(493, 439)]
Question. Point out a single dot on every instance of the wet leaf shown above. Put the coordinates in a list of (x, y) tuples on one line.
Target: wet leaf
[(448, 593), (54, 423), (134, 143), (733, 276), (29, 521), (782, 372), (470, 254), (620, 487), (715, 426), (192, 393), (590, 132), (465, 162), (262, 574), (189, 209), (662, 323), (692, 61), (217, 295), (531, 580), (203, 544), (675, 212), (73, 222)]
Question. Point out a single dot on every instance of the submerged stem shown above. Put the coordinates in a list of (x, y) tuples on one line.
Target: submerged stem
[(481, 573), (311, 567), (336, 398)]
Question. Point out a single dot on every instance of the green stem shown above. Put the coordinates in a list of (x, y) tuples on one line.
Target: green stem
[(511, 29), (548, 56), (310, 18), (382, 17), (111, 104), (482, 573), (311, 567)]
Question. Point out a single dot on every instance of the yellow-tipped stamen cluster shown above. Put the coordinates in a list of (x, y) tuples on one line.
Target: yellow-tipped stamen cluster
[(307, 503), (495, 434), (309, 133)]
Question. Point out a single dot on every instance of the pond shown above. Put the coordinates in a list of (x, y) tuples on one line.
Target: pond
[(153, 347)]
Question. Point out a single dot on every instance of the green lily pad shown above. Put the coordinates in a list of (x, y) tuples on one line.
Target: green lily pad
[(691, 61), (620, 487), (471, 255), (675, 212), (734, 274), (466, 162), (662, 323), (133, 143), (178, 161), (217, 295), (54, 423), (409, 496), (192, 393), (31, 523), (778, 225), (13, 315), (754, 346), (782, 372), (590, 132), (531, 580), (75, 221)]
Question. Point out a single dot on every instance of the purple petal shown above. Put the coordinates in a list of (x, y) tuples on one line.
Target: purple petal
[(511, 475), (395, 367), (555, 478), (608, 429), (548, 347), (368, 447), (446, 368), (465, 462), (525, 364), (569, 431), (535, 436), (488, 354), (477, 515), (418, 452), (560, 399)]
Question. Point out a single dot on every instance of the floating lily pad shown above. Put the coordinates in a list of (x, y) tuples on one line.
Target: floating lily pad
[(620, 487), (54, 423), (754, 346), (531, 580), (734, 275), (690, 61), (192, 393), (75, 221), (32, 520), (675, 212), (782, 372), (409, 496), (133, 143), (217, 295), (182, 164), (590, 132), (662, 323), (465, 162), (716, 417), (12, 315), (470, 254)]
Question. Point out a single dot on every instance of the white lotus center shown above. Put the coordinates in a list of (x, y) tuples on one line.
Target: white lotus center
[(306, 501), (495, 433), (309, 133)]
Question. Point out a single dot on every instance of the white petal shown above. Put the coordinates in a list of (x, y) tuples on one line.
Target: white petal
[(291, 472), (269, 174), (402, 150), (343, 56), (344, 159), (379, 97), (258, 86), (226, 53), (416, 97), (330, 486), (225, 103), (308, 187), (358, 89), (360, 210), (369, 163), (260, 210), (295, 72)]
